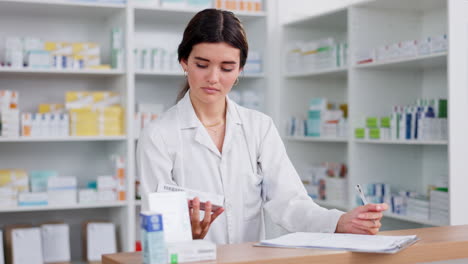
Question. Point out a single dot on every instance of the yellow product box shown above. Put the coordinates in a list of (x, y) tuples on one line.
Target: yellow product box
[(17, 179), (106, 99), (59, 48), (111, 133), (51, 108), (86, 48), (91, 60), (100, 67), (78, 99)]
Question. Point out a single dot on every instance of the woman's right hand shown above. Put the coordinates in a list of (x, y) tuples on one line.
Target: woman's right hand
[(200, 228)]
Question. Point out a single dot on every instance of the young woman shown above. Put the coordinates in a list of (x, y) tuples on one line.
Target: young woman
[(209, 143)]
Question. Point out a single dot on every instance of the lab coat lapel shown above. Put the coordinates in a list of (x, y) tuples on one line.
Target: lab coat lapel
[(202, 137), (189, 120), (233, 126)]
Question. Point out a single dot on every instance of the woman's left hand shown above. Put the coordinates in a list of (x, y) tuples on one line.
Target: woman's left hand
[(362, 220)]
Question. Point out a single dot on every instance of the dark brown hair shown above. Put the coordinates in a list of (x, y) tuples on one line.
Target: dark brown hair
[(212, 26)]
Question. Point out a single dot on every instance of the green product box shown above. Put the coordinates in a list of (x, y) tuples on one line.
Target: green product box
[(385, 122), (374, 133), (372, 122), (360, 133)]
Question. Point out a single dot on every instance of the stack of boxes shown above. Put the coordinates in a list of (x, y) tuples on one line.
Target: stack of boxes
[(316, 55), (327, 182), (95, 113), (145, 114), (34, 53), (12, 182), (9, 114), (253, 63), (403, 50), (324, 120), (426, 120), (240, 5)]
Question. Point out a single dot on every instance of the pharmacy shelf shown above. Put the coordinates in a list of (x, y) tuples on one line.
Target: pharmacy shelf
[(330, 73), (137, 202), (316, 139), (84, 72), (63, 139), (181, 74), (158, 14), (412, 219), (340, 205), (82, 9), (410, 63), (402, 142), (63, 207), (413, 5)]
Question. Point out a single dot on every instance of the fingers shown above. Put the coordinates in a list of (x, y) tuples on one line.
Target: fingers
[(207, 219), (373, 207), (366, 223), (370, 216), (216, 214), (195, 218), (367, 231)]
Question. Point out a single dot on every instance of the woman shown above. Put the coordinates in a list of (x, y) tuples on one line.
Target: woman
[(209, 143)]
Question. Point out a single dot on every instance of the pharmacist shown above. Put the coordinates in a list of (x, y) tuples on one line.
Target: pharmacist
[(208, 143)]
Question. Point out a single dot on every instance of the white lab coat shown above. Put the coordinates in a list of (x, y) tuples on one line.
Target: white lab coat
[(253, 172)]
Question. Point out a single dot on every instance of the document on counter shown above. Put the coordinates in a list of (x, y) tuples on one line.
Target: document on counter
[(348, 242)]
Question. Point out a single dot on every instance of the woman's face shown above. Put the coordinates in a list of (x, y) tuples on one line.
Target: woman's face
[(212, 69)]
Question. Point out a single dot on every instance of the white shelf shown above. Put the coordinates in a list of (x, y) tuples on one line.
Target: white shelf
[(59, 8), (27, 71), (331, 73), (401, 142), (317, 139), (412, 219), (415, 63), (63, 139), (63, 207), (160, 14), (181, 74), (340, 205), (137, 202)]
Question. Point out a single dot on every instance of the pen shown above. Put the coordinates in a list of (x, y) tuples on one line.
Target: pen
[(363, 198)]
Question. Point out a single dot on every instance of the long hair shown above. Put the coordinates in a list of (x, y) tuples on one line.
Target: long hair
[(212, 26)]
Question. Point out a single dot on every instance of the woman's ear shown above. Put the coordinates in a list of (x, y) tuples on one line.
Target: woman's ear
[(184, 64)]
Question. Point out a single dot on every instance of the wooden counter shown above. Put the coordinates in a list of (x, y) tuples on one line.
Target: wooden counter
[(436, 243)]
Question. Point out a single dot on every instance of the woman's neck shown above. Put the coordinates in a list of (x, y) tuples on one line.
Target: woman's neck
[(209, 114)]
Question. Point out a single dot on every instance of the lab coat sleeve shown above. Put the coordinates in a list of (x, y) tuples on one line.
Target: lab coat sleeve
[(153, 160), (285, 198)]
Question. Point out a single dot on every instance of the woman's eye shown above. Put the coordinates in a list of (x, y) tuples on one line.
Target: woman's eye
[(226, 70), (201, 66)]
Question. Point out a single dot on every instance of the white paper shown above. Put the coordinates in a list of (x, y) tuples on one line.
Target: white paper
[(56, 242), (351, 242), (2, 256), (101, 240), (27, 246), (176, 220)]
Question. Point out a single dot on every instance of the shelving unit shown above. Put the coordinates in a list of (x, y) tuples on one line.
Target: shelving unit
[(317, 139), (63, 139), (372, 89)]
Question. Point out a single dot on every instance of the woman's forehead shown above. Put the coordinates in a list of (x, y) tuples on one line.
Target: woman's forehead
[(219, 51)]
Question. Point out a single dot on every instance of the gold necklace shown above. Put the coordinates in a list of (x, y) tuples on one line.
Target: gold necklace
[(215, 124), (215, 131)]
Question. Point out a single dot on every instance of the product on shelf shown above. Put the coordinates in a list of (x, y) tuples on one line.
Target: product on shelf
[(403, 49), (55, 242), (156, 59), (145, 114), (62, 190), (426, 120), (23, 244), (439, 205), (240, 5), (95, 113), (9, 114), (324, 120), (247, 98), (35, 53), (253, 63), (152, 238), (327, 181), (316, 55), (99, 238)]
